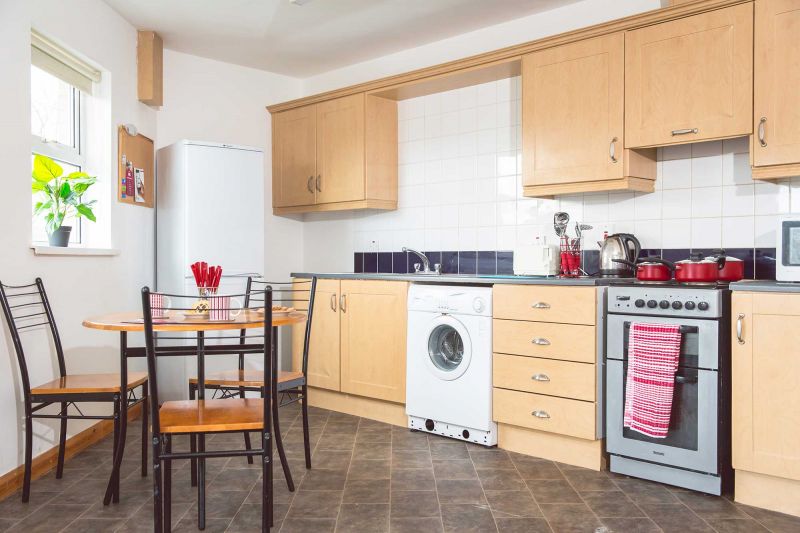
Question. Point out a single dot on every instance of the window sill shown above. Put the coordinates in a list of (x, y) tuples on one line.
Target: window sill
[(43, 249)]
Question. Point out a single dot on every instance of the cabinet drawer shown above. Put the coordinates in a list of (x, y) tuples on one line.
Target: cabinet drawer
[(557, 415), (541, 339), (545, 376), (569, 305)]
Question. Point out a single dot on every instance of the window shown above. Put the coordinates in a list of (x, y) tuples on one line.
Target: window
[(61, 88), (58, 128)]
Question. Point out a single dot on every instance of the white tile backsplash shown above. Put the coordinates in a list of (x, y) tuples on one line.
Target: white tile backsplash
[(461, 187)]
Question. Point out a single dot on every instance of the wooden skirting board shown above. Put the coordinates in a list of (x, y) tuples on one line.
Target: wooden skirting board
[(388, 412), (773, 493), (552, 446), (11, 482)]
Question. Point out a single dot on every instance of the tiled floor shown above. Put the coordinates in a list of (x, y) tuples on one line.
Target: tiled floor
[(369, 476)]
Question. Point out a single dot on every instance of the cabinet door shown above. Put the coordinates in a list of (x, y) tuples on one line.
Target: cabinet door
[(766, 398), (293, 157), (777, 83), (572, 105), (374, 339), (690, 79), (340, 150), (323, 354)]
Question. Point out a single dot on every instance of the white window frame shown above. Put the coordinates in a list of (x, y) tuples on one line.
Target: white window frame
[(73, 155)]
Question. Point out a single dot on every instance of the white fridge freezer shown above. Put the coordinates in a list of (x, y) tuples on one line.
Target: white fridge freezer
[(209, 207)]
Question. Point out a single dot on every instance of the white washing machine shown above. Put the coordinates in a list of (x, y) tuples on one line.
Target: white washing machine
[(449, 367)]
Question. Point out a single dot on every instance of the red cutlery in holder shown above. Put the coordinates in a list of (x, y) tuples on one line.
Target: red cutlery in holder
[(570, 257)]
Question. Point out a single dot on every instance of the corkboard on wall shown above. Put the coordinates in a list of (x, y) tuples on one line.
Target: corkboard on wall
[(136, 169)]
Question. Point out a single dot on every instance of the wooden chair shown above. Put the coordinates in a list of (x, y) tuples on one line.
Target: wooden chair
[(291, 385), (200, 417), (27, 306)]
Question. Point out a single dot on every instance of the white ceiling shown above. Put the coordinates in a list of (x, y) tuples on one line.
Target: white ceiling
[(319, 36)]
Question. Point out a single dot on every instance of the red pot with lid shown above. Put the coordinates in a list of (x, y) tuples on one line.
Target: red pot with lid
[(650, 268), (699, 269), (732, 268)]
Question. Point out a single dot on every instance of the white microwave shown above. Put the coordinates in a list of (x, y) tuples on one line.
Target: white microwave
[(787, 256)]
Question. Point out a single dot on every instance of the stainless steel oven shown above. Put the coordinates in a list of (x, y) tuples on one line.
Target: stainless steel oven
[(694, 450)]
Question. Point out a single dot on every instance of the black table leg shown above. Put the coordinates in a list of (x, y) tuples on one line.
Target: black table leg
[(112, 490)]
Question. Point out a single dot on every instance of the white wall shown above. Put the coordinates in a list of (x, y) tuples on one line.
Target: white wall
[(78, 286), (530, 28), (208, 100)]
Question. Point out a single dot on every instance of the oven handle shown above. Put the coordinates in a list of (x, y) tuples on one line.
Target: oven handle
[(683, 380), (683, 329)]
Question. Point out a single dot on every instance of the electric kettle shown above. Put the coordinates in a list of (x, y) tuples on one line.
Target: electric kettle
[(614, 251)]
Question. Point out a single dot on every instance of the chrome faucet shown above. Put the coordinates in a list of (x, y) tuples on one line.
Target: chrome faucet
[(425, 268)]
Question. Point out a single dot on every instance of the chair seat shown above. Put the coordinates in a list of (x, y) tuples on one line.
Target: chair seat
[(89, 383), (208, 416), (247, 378)]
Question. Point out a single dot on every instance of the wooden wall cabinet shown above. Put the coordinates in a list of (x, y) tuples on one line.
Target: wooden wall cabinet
[(150, 68), (766, 399), (573, 121), (690, 79), (358, 338), (775, 143), (335, 155)]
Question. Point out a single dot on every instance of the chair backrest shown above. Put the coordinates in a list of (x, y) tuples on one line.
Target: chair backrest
[(298, 293), (256, 340), (24, 307)]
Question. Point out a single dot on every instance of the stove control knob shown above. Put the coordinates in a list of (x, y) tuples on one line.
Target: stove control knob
[(677, 305), (639, 303), (689, 305), (651, 303), (663, 304), (703, 306)]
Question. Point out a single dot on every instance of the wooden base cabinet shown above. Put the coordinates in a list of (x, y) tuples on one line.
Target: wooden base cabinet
[(775, 143), (690, 79), (335, 155), (573, 121), (766, 399), (358, 339)]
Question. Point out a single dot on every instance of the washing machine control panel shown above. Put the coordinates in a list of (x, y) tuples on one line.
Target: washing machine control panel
[(451, 299), (478, 305)]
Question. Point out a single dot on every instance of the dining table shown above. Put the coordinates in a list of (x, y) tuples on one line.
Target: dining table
[(176, 322)]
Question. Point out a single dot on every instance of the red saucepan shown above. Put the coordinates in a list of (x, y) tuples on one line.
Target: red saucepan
[(699, 269), (650, 268), (732, 267)]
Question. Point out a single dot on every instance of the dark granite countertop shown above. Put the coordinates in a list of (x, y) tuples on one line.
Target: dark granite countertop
[(474, 279), (766, 286)]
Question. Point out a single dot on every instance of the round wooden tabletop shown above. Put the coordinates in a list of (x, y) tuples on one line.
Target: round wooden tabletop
[(132, 321)]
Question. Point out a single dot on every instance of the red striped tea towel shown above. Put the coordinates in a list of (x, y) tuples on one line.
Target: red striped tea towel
[(653, 354)]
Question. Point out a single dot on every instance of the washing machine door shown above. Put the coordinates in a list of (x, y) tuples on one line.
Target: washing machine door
[(449, 348)]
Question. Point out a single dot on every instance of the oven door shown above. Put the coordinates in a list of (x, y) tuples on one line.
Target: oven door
[(691, 442)]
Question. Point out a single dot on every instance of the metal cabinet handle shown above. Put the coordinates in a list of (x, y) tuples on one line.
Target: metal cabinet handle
[(309, 184), (540, 414), (540, 305), (540, 341), (333, 302), (540, 377), (612, 150), (685, 131), (762, 135), (342, 301), (739, 324), (319, 182)]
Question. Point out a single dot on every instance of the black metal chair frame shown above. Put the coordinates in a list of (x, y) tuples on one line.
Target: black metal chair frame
[(34, 403), (162, 442), (284, 393)]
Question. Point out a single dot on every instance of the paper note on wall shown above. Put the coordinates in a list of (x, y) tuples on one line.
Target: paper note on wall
[(139, 185)]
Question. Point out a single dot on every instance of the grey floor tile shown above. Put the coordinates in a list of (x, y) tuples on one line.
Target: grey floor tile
[(369, 469), (129, 504), (675, 518), (490, 459), (467, 518), (373, 450), (586, 480), (222, 504), (419, 479), (248, 519), (6, 523), (53, 517), (459, 469), (236, 479), (414, 503), (707, 506), (735, 525), (776, 522), (331, 459), (403, 439), (213, 525), (415, 525), (307, 525), (630, 525), (94, 525), (448, 450), (522, 525), (13, 508), (315, 504), (317, 479), (538, 470), (552, 491), (611, 504), (512, 504), (366, 491), (363, 517), (501, 480), (411, 459), (467, 491), (570, 517)]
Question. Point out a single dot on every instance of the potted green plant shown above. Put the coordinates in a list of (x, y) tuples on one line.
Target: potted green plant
[(59, 197)]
